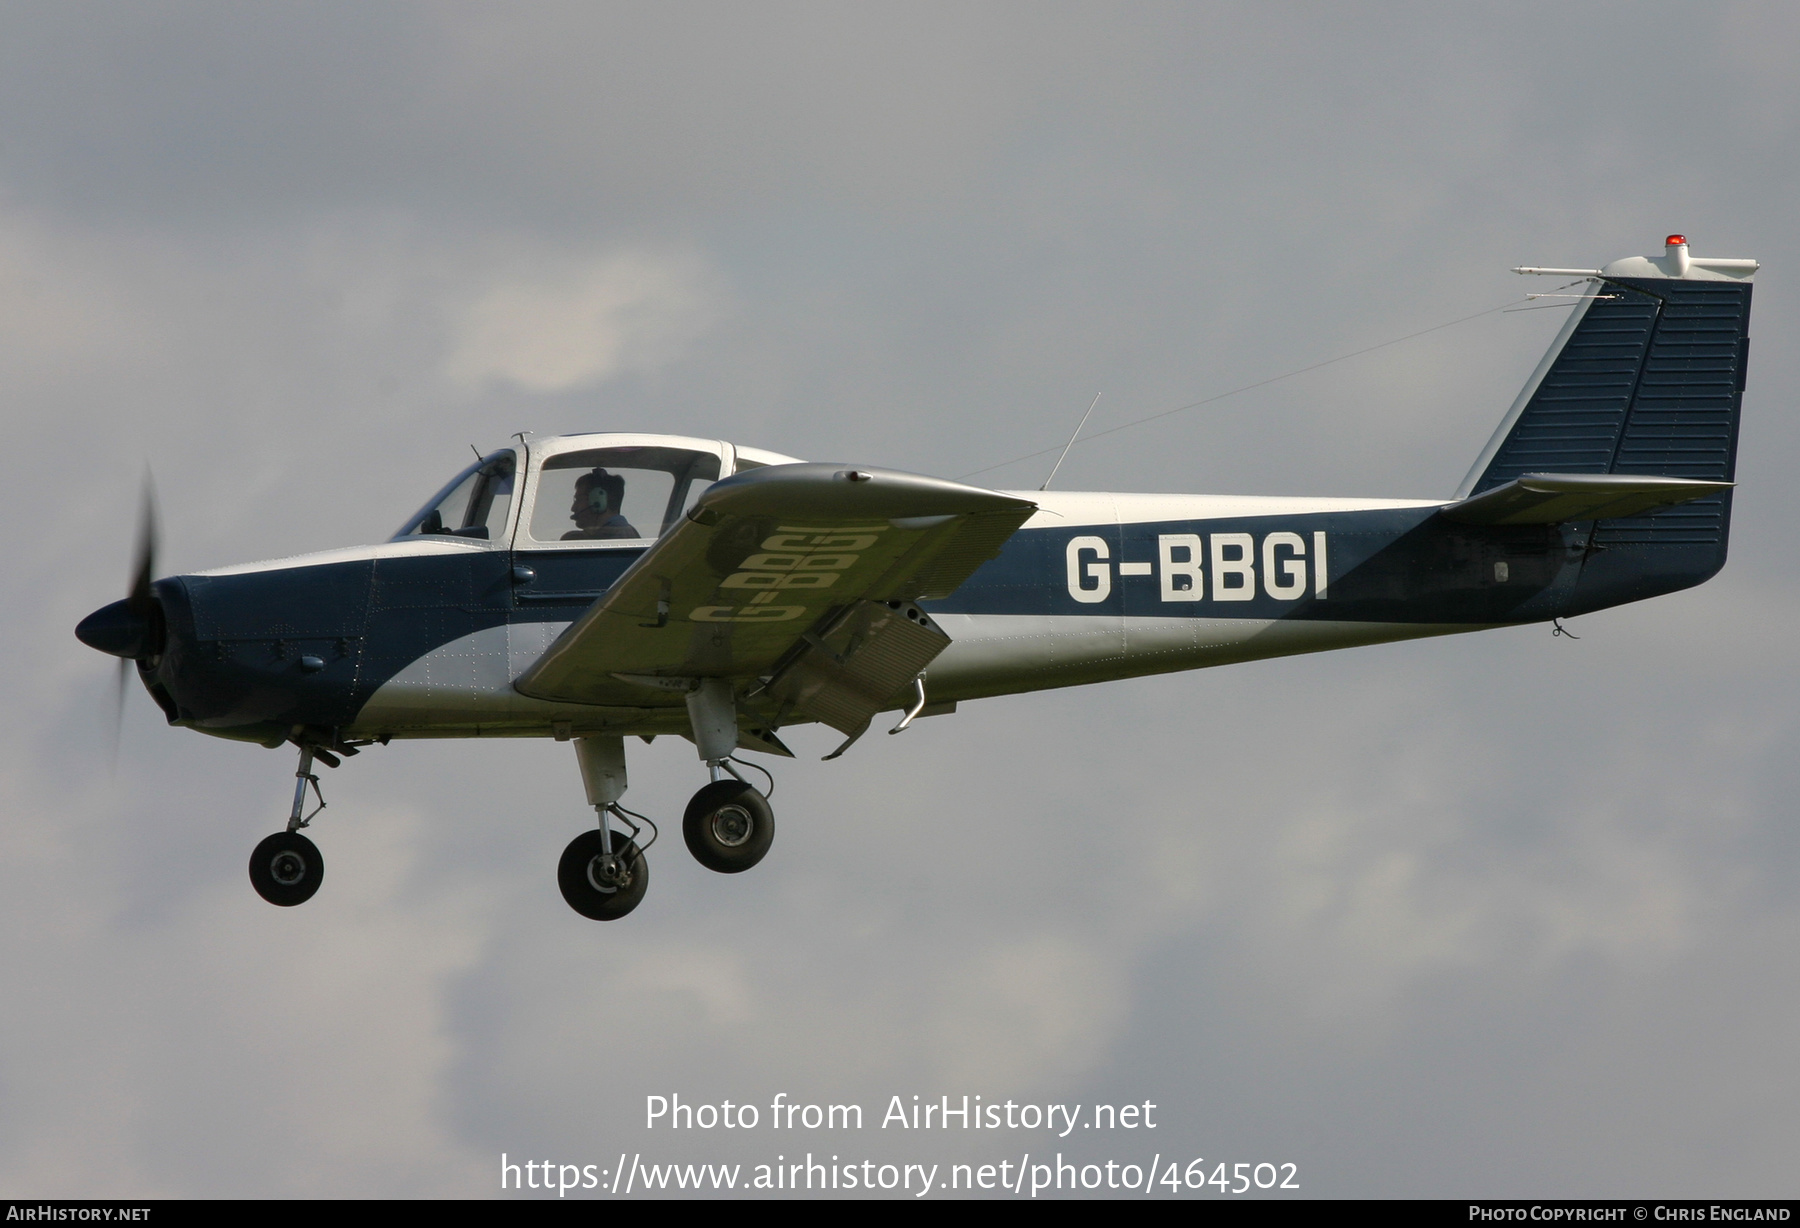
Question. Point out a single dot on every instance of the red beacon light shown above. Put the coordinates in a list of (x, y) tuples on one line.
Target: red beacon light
[(1676, 253)]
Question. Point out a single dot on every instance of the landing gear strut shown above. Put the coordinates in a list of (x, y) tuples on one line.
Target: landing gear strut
[(603, 874), (287, 868), (728, 826)]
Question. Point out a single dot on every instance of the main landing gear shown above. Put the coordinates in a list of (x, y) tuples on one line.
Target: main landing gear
[(603, 873), (286, 869), (728, 826)]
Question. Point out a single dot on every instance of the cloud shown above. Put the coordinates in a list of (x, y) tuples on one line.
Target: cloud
[(1026, 1013), (1352, 894), (631, 311)]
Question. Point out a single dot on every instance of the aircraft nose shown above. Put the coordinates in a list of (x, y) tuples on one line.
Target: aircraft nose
[(115, 629)]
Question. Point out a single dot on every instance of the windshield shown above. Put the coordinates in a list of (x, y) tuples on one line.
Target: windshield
[(616, 494), (474, 504)]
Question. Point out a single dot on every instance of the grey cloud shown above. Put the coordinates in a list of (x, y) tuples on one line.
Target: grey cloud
[(1495, 914)]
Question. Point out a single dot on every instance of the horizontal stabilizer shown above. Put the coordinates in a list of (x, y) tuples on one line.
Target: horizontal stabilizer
[(1558, 498)]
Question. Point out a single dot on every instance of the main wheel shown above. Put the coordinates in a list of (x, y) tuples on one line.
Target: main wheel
[(598, 887), (286, 869), (728, 826)]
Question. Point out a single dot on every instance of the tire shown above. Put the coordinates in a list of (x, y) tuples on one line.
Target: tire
[(286, 869), (583, 880), (728, 826)]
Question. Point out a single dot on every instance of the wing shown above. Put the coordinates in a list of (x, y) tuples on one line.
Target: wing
[(1557, 498), (796, 581)]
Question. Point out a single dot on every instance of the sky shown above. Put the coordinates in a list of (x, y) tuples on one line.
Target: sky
[(1504, 914)]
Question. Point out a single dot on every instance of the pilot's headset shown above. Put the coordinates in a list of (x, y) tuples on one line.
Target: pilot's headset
[(605, 491)]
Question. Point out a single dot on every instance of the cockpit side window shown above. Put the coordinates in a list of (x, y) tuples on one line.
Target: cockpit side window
[(474, 504), (617, 494)]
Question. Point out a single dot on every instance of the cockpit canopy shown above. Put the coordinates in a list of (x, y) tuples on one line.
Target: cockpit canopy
[(582, 488)]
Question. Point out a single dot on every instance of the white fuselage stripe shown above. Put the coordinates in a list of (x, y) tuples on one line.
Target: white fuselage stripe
[(465, 686)]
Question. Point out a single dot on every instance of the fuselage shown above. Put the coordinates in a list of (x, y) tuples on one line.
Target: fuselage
[(430, 633), (423, 636)]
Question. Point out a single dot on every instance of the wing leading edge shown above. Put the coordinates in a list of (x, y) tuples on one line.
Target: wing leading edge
[(796, 580)]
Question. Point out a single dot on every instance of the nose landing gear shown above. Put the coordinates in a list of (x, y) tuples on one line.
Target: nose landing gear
[(287, 868)]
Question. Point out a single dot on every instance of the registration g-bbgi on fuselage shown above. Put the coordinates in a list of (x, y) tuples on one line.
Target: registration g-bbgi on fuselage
[(597, 587)]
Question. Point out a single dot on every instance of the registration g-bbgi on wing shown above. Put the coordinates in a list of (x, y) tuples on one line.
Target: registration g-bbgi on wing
[(598, 588)]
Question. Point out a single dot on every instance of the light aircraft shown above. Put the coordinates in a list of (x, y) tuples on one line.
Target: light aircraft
[(592, 588)]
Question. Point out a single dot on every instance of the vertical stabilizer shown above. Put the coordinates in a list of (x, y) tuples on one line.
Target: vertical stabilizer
[(1646, 378)]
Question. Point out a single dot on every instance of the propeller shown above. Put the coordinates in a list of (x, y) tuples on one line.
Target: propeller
[(142, 605), (130, 630)]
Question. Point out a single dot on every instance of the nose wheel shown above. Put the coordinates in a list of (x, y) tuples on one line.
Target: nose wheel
[(286, 869), (728, 826)]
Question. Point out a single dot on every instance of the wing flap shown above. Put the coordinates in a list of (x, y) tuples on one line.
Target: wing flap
[(765, 558), (1558, 498), (845, 673)]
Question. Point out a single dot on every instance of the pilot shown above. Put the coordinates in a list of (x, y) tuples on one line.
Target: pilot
[(596, 509)]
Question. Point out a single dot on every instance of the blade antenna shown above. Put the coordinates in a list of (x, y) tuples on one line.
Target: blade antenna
[(1070, 444)]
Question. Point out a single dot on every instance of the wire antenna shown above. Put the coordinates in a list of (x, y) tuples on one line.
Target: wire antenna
[(1070, 444), (1113, 430)]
